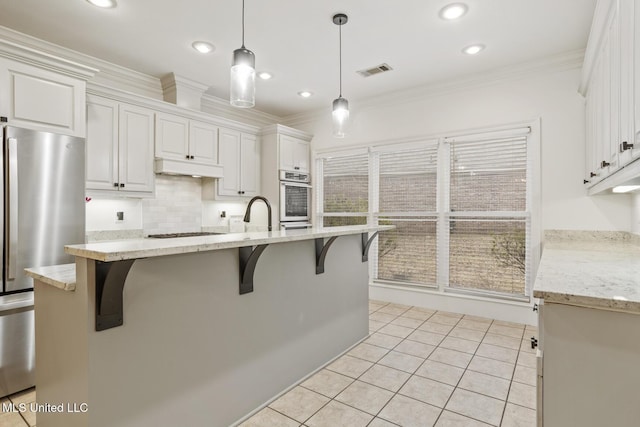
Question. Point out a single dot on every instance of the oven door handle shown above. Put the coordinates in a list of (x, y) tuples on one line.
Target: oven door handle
[(294, 184)]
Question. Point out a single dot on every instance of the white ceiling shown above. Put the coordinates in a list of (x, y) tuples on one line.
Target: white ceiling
[(297, 41)]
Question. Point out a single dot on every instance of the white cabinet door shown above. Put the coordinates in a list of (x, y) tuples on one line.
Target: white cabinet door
[(229, 157), (136, 149), (614, 88), (294, 154), (249, 165), (102, 144), (40, 99), (203, 142), (172, 137)]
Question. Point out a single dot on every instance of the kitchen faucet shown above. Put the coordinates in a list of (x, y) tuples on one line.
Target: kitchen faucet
[(247, 215)]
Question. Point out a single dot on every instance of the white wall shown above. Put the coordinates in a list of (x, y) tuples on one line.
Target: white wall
[(635, 216), (552, 96)]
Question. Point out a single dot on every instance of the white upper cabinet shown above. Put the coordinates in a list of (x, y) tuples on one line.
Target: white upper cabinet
[(610, 84), (172, 137), (40, 99), (102, 144), (239, 155), (119, 147), (294, 154), (179, 138), (203, 142)]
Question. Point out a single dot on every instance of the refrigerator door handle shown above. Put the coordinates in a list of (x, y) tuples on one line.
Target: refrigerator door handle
[(11, 221)]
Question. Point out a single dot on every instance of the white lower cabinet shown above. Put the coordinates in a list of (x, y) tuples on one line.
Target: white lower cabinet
[(588, 373), (239, 155), (119, 147)]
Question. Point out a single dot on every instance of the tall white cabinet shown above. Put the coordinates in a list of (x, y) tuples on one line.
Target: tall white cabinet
[(283, 148), (611, 85)]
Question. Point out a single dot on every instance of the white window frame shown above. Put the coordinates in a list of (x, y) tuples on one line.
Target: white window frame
[(533, 200)]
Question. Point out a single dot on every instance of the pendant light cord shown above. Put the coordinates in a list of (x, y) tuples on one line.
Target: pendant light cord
[(340, 36), (242, 23)]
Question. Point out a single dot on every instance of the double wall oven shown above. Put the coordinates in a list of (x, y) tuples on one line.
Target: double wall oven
[(295, 199)]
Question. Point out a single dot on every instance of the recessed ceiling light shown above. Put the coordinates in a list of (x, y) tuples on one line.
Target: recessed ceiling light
[(473, 49), (453, 11), (203, 47), (103, 3), (305, 93), (265, 76)]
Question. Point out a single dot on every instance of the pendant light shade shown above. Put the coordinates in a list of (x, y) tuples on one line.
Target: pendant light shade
[(340, 115), (243, 75)]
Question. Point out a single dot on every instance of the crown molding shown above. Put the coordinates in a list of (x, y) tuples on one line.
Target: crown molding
[(104, 72), (220, 107), (286, 130), (27, 55), (551, 64)]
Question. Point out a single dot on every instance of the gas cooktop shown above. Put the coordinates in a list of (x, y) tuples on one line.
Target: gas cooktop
[(189, 234)]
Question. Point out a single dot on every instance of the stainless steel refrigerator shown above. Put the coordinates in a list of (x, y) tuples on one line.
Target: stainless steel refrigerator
[(42, 188)]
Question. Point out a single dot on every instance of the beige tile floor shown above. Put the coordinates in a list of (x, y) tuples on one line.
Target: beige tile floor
[(418, 368), (19, 419)]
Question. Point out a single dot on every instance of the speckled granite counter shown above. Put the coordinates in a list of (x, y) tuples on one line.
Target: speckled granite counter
[(145, 248), (60, 276), (590, 269)]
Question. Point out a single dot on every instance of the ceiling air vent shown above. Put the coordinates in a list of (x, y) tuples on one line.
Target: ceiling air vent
[(375, 70)]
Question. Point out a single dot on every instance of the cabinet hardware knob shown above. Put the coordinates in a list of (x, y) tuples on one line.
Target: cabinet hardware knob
[(592, 174), (121, 185), (625, 146), (604, 164), (115, 184), (187, 156), (585, 181), (534, 342), (535, 307), (193, 157), (296, 167)]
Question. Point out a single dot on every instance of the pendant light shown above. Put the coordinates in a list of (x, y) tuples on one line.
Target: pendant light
[(243, 75), (340, 112)]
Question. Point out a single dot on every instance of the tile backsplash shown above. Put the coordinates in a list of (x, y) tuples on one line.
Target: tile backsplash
[(178, 206)]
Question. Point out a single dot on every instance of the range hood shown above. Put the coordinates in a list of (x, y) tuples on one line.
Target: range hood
[(190, 168)]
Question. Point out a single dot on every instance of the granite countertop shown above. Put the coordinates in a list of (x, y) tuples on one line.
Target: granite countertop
[(145, 248), (591, 269), (61, 276)]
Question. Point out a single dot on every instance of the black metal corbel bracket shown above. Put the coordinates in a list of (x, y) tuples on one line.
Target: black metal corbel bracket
[(248, 260), (110, 278), (321, 252), (366, 244)]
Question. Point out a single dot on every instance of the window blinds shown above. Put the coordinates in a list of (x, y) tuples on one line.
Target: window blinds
[(345, 182)]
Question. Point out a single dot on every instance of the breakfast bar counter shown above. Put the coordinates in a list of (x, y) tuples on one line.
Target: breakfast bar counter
[(198, 330)]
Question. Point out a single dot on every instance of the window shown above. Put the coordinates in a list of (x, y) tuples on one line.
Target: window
[(487, 215), (345, 199), (461, 207), (407, 198)]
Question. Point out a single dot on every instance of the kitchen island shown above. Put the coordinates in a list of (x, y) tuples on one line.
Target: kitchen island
[(198, 330), (589, 325)]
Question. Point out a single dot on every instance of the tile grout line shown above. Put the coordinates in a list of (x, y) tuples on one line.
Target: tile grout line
[(412, 373)]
